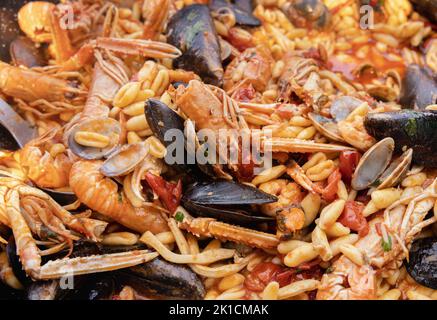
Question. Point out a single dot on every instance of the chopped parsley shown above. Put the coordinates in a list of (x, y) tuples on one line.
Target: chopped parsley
[(329, 269), (386, 245), (376, 183), (179, 216)]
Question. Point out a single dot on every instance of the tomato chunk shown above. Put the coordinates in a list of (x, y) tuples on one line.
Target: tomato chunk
[(348, 163), (169, 193), (261, 276), (329, 193), (352, 217)]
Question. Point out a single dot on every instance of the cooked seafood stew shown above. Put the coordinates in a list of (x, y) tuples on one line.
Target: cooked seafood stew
[(218, 149)]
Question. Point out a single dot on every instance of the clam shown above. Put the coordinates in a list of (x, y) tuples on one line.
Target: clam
[(342, 106), (372, 164), (326, 126), (396, 171), (105, 126), (124, 160)]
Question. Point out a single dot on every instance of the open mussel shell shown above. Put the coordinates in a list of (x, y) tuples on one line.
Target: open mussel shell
[(192, 31), (8, 293), (169, 127), (327, 127), (372, 164), (161, 118), (61, 197), (242, 10), (14, 262), (396, 171), (89, 287), (24, 53), (226, 201), (124, 160), (409, 129), (422, 262), (223, 192), (162, 279), (108, 127), (419, 88), (427, 8), (233, 215)]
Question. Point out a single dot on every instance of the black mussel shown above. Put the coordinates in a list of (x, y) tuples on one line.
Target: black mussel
[(223, 192), (422, 263), (419, 88), (409, 129), (427, 8), (161, 279), (169, 128), (100, 286), (24, 53), (161, 118), (59, 289), (307, 13), (8, 293), (7, 141), (19, 131), (14, 262), (226, 201), (192, 30), (242, 10)]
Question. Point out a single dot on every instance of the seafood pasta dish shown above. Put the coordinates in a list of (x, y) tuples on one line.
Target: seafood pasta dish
[(218, 149)]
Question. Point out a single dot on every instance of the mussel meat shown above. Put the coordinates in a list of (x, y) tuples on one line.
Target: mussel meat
[(419, 88), (242, 10), (422, 263), (409, 129), (192, 30), (227, 201)]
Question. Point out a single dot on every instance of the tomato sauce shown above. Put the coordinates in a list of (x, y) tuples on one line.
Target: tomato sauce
[(381, 61)]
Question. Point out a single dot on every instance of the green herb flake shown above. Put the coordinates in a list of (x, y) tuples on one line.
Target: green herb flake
[(386, 245), (120, 197), (411, 127), (376, 183), (329, 269), (298, 271), (179, 216)]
